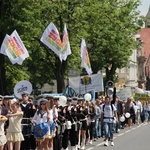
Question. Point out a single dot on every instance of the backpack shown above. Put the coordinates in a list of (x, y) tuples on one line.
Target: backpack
[(112, 108)]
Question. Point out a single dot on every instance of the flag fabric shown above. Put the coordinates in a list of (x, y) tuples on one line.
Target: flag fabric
[(14, 48), (51, 39), (66, 50), (85, 63), (4, 46), (86, 84)]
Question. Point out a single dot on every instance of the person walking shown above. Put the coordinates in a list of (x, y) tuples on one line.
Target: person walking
[(108, 116)]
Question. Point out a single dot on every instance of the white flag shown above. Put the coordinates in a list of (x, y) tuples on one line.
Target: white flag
[(51, 39), (87, 83), (85, 63), (66, 50), (14, 48), (4, 46)]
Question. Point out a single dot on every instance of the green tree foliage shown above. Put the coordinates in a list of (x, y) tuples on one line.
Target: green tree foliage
[(113, 25), (107, 26)]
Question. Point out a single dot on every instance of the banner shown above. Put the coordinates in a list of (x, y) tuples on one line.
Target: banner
[(14, 48), (124, 93), (142, 97), (84, 84), (51, 39), (85, 63), (22, 86), (66, 50)]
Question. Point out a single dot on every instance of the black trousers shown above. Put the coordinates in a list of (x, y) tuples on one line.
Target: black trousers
[(28, 143), (57, 142)]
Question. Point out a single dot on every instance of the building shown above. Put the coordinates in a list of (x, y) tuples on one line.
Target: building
[(147, 22), (145, 37)]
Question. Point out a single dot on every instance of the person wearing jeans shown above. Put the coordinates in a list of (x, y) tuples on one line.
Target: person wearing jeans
[(97, 132), (108, 116)]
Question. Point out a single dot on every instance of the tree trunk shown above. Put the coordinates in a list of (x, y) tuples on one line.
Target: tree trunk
[(60, 83), (2, 70), (2, 76), (59, 73)]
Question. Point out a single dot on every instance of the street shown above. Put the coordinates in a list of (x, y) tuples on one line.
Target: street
[(136, 138)]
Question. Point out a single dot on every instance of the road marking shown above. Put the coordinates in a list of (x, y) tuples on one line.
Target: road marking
[(128, 131), (121, 134), (117, 135), (100, 144), (144, 124), (90, 148), (133, 128)]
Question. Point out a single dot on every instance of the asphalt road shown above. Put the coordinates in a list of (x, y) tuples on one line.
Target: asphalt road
[(136, 138)]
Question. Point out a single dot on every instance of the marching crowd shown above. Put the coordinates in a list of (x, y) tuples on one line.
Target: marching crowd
[(47, 125)]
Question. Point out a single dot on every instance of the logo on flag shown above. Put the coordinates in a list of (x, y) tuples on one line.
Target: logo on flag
[(86, 84), (14, 48), (85, 63), (51, 39), (66, 45)]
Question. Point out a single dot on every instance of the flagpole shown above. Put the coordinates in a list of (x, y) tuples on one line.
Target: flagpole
[(80, 82)]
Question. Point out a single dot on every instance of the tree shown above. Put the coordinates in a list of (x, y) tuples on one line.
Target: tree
[(113, 25), (108, 27)]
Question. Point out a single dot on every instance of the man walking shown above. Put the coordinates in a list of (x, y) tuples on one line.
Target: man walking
[(108, 116)]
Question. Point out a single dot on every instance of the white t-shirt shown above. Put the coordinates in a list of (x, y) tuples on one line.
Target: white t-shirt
[(108, 112), (39, 118)]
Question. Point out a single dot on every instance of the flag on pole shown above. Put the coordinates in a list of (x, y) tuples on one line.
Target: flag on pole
[(66, 50), (92, 82), (14, 48), (51, 39), (85, 63)]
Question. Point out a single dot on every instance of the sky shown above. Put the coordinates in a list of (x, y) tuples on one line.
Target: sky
[(144, 7)]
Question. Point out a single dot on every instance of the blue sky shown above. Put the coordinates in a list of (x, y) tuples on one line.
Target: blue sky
[(144, 7)]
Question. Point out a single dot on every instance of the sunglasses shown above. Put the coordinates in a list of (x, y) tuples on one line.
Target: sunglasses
[(42, 104)]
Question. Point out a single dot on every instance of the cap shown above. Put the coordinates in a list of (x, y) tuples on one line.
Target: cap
[(25, 93), (1, 97), (43, 101), (49, 97), (56, 98), (69, 99), (75, 98), (40, 96), (8, 97), (80, 99), (14, 100)]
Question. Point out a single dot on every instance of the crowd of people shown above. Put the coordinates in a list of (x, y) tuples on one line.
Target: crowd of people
[(47, 125)]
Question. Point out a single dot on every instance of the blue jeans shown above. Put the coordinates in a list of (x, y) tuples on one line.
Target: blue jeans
[(108, 130), (97, 128)]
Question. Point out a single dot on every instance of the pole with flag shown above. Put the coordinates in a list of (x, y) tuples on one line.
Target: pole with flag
[(51, 39), (85, 61), (14, 48), (66, 50)]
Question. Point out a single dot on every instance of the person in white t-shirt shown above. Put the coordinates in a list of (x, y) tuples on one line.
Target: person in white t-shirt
[(108, 116)]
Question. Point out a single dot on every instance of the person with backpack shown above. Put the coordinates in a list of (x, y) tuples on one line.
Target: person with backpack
[(108, 116)]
